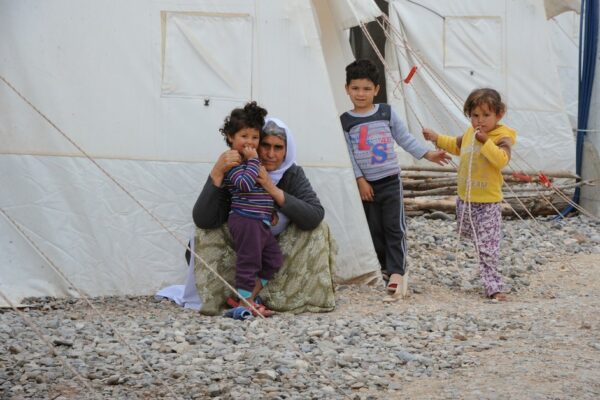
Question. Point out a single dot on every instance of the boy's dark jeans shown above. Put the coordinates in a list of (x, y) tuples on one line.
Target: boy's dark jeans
[(387, 224)]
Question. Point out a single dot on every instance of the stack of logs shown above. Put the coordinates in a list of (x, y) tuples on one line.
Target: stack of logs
[(428, 189)]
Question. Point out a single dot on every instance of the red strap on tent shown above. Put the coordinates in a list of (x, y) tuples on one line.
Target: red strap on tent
[(544, 180), (410, 74), (522, 176)]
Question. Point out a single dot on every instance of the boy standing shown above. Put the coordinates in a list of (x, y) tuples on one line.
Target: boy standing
[(370, 131)]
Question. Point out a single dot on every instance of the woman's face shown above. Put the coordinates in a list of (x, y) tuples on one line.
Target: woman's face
[(271, 152)]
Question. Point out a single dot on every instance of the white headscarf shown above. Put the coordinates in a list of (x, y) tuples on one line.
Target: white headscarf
[(288, 161), (290, 154)]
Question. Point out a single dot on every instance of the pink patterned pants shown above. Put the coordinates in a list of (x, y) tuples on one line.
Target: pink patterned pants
[(486, 219)]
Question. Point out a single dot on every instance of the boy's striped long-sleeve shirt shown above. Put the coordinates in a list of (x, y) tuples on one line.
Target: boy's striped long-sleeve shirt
[(248, 198), (370, 138)]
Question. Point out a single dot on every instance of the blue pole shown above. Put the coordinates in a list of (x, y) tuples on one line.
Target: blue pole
[(588, 47)]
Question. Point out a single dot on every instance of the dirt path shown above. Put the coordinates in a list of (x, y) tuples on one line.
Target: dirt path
[(552, 349)]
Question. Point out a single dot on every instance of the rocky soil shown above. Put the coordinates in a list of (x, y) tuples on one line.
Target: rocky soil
[(445, 341)]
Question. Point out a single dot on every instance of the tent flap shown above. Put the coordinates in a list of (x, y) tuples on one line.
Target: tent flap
[(144, 91)]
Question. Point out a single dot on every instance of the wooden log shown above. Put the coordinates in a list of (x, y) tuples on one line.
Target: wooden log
[(538, 188), (425, 175), (452, 191), (428, 168), (550, 174), (446, 205), (428, 183), (415, 213), (423, 191), (443, 191), (511, 191), (534, 206)]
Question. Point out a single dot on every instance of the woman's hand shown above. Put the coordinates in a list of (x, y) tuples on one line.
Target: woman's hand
[(438, 156), (226, 161), (365, 189), (264, 180)]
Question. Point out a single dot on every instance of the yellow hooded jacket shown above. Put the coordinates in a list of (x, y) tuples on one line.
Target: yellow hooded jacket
[(487, 162)]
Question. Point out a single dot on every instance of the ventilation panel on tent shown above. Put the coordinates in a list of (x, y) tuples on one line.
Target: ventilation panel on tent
[(207, 67), (475, 45), (207, 55)]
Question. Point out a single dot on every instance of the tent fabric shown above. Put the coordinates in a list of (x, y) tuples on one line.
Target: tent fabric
[(557, 7), (144, 86), (353, 12), (207, 54), (471, 44), (144, 94), (106, 244), (564, 30), (185, 295)]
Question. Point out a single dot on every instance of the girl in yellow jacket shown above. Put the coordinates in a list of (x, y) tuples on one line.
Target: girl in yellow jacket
[(484, 149)]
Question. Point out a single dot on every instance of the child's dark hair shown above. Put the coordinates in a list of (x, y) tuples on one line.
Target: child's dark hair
[(362, 69), (487, 96), (251, 116)]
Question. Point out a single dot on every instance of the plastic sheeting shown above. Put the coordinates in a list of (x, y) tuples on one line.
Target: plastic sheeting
[(470, 44), (139, 85), (108, 245)]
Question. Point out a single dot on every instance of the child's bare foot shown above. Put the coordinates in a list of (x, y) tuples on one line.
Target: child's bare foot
[(499, 296)]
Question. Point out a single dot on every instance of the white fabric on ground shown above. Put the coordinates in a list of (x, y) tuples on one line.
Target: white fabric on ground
[(185, 295)]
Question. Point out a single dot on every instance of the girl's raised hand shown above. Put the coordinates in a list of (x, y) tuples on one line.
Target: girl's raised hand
[(480, 135), (430, 135), (249, 152)]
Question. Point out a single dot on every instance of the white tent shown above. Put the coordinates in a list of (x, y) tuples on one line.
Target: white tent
[(143, 87), (564, 30), (504, 44)]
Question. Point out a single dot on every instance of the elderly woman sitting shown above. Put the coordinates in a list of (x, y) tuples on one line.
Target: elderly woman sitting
[(304, 283)]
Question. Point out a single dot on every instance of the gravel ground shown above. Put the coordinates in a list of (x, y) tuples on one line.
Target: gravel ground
[(445, 341)]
